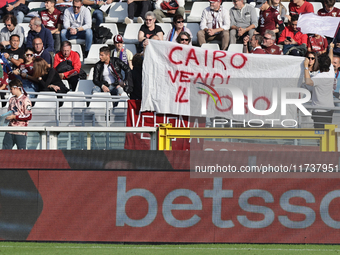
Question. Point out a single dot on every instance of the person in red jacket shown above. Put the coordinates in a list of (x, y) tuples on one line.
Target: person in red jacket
[(294, 42), (65, 53)]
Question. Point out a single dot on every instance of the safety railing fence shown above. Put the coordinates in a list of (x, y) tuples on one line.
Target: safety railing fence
[(49, 135)]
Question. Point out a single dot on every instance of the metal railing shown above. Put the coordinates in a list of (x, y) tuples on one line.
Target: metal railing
[(49, 135)]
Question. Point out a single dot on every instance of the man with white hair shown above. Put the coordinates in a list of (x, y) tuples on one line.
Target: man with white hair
[(38, 30), (269, 45), (243, 21), (215, 24)]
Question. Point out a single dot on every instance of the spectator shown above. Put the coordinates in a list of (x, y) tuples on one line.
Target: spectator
[(177, 27), (47, 77), (149, 30), (168, 8), (3, 83), (120, 52), (137, 8), (300, 6), (25, 70), (107, 75), (294, 42), (329, 9), (317, 43), (137, 62), (255, 43), (68, 71), (243, 21), (94, 5), (269, 45), (322, 83), (14, 8), (184, 38), (21, 107), (215, 24), (336, 65), (77, 25), (313, 68), (277, 5), (269, 18), (11, 28), (51, 19), (37, 30), (14, 54), (40, 52)]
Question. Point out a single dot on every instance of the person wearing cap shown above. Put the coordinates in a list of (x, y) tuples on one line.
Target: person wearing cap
[(137, 8), (66, 53), (51, 19), (215, 24), (269, 45), (269, 18), (255, 42), (108, 77), (21, 108), (11, 28), (120, 52), (243, 21), (165, 8)]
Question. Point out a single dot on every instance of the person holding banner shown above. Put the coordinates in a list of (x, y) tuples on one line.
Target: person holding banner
[(149, 30), (184, 38), (215, 24), (243, 21), (294, 42), (322, 84), (329, 9)]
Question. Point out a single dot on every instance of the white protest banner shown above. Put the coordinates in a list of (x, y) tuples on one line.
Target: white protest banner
[(311, 23), (182, 80)]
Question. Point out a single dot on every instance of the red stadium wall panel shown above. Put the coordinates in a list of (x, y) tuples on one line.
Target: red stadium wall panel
[(144, 196)]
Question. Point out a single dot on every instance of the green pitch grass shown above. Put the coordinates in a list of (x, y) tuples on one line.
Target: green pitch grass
[(23, 248)]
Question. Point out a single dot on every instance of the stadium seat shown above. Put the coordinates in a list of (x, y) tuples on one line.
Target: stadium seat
[(101, 104), (131, 33), (337, 5), (211, 46), (118, 12), (194, 28), (229, 5), (77, 41), (238, 48), (31, 6), (114, 30), (166, 27), (49, 100), (26, 28), (131, 47), (317, 6), (66, 83), (75, 104), (85, 86), (90, 76), (196, 11), (77, 48), (93, 56), (257, 12)]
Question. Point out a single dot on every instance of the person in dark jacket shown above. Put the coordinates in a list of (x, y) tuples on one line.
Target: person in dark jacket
[(107, 75), (38, 30), (47, 77), (137, 70)]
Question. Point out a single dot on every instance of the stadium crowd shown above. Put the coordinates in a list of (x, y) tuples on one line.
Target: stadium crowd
[(44, 58)]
